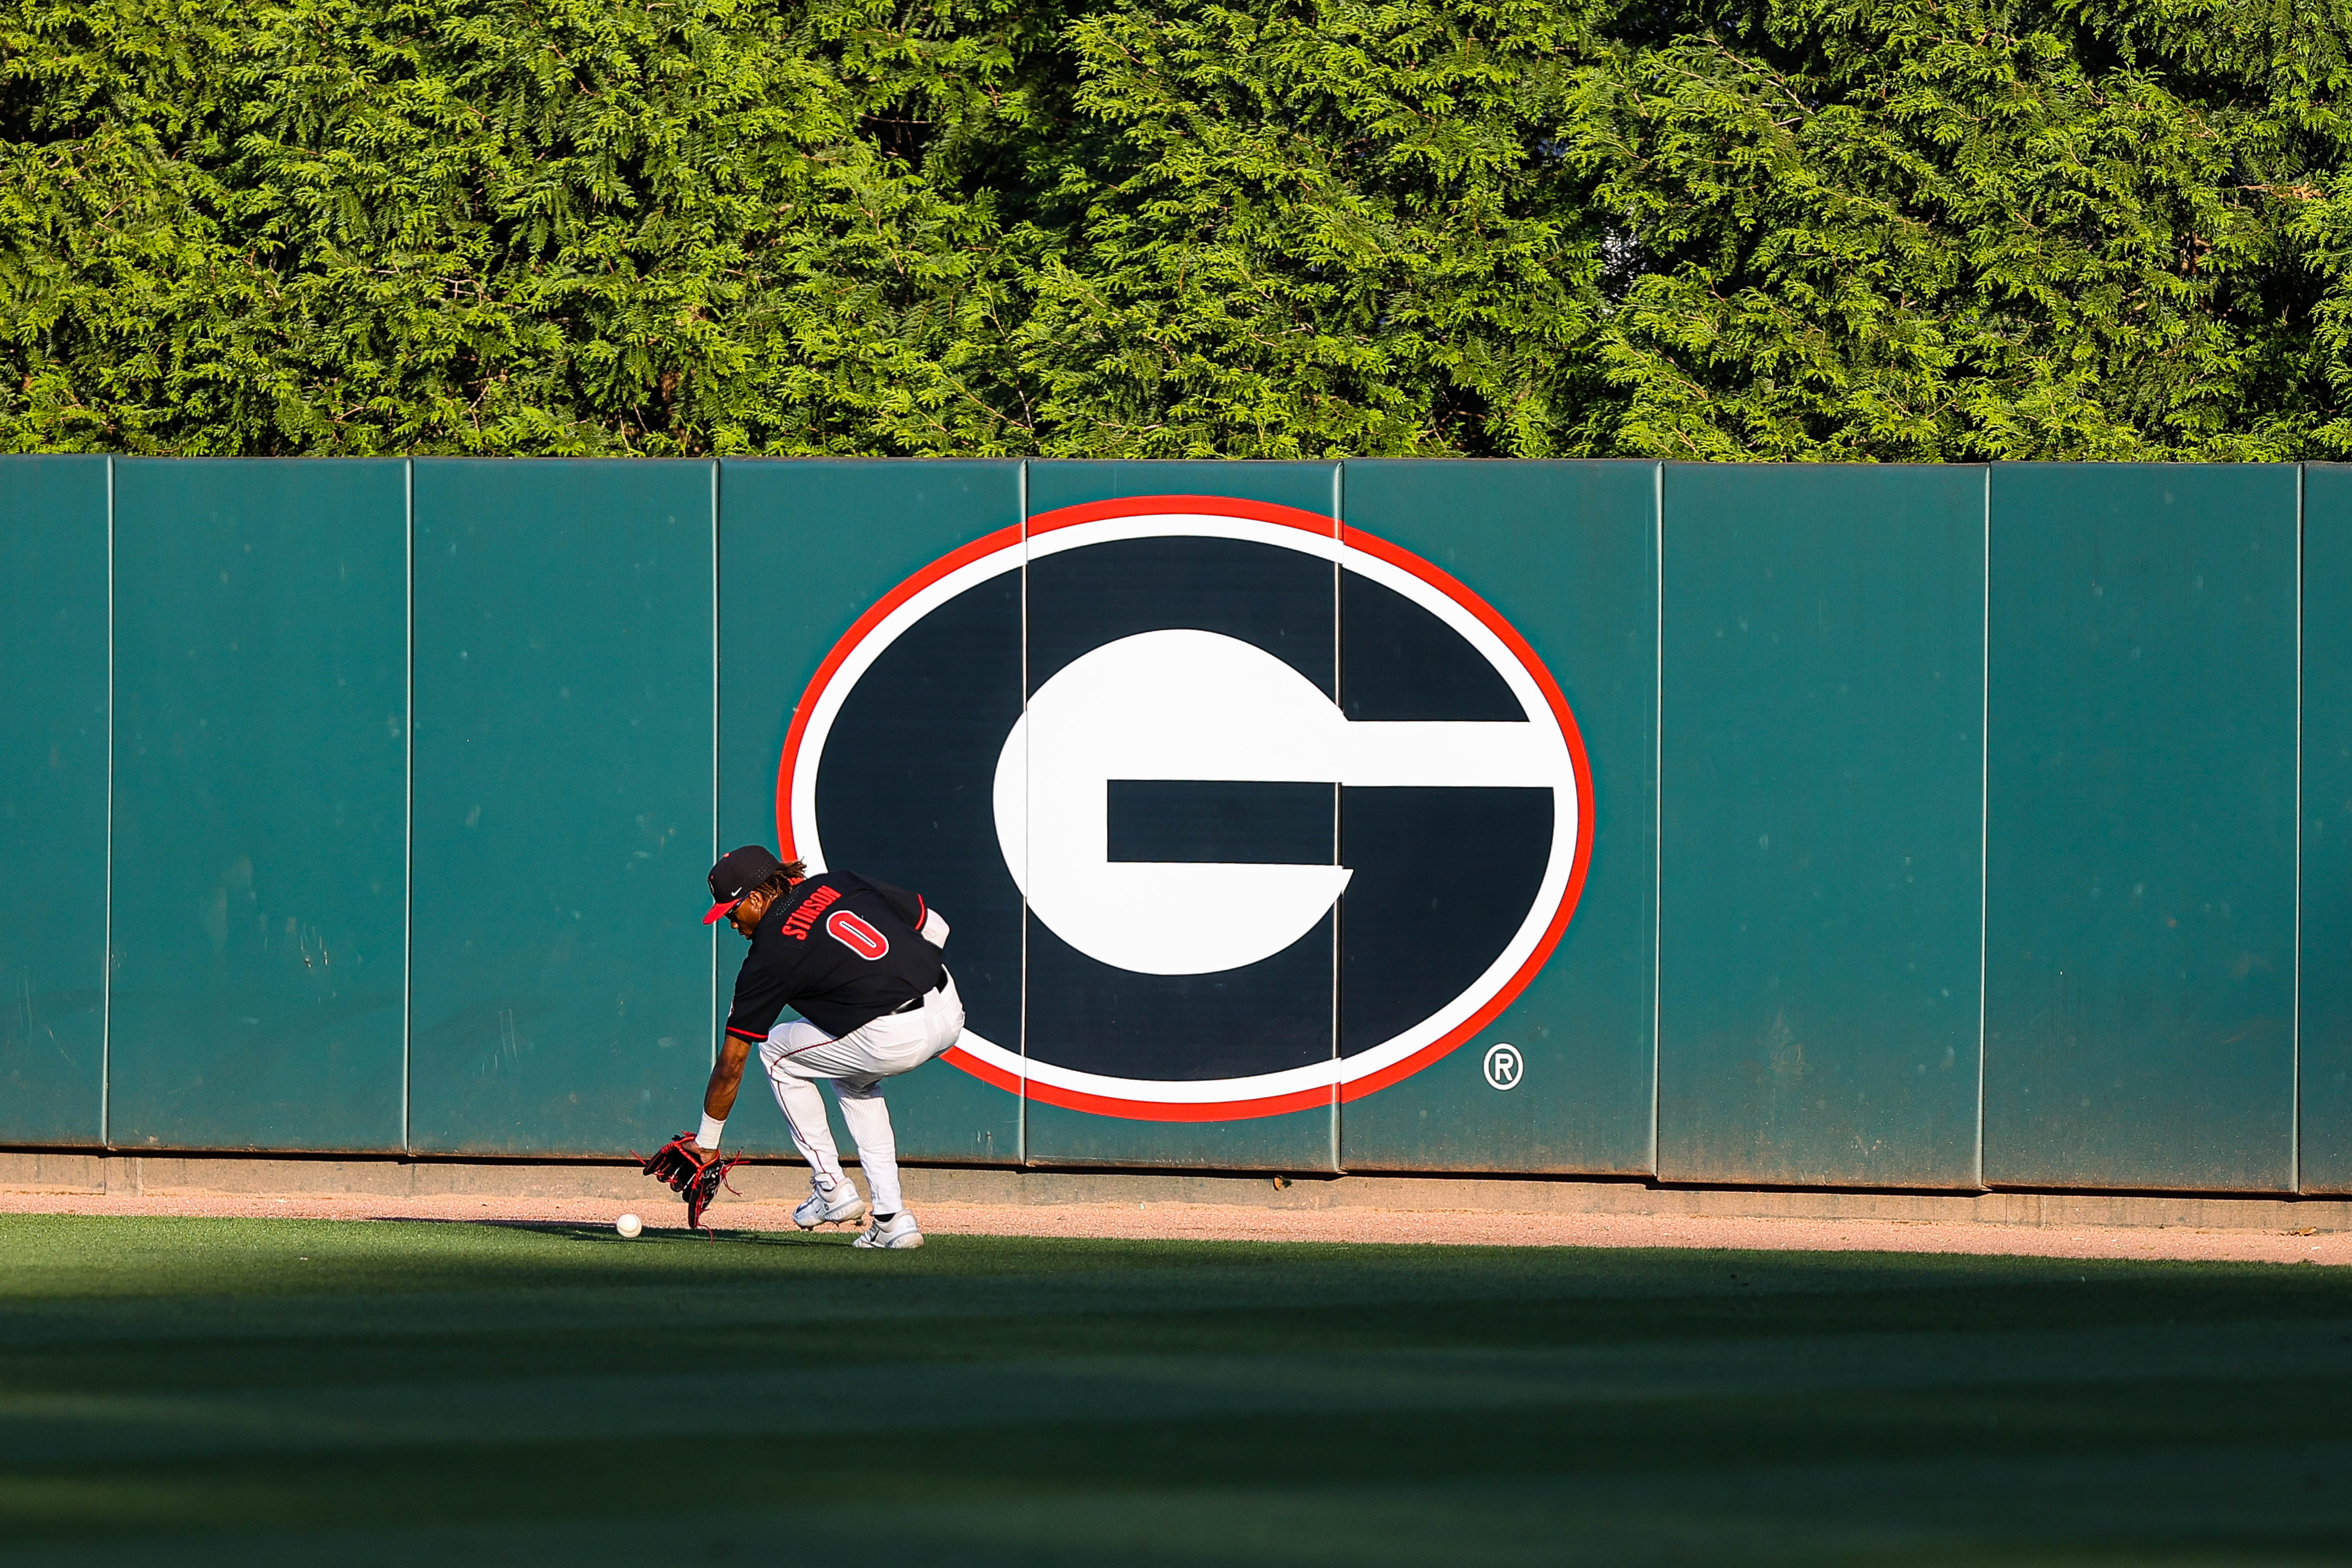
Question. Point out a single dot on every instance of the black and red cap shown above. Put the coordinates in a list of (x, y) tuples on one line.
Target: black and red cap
[(737, 872)]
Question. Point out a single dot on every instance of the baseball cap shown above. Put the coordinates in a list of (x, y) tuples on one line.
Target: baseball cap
[(737, 872)]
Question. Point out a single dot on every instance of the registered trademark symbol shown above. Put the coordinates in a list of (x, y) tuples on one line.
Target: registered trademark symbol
[(1505, 1065)]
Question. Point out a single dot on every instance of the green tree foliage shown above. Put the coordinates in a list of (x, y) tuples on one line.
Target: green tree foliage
[(1841, 229)]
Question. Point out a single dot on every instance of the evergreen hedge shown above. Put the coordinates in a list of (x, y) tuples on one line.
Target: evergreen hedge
[(1833, 229)]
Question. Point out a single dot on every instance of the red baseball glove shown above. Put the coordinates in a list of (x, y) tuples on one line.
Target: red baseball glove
[(691, 1174)]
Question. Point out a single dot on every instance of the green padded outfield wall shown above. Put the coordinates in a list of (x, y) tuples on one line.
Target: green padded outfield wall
[(805, 549), (1919, 828), (260, 887), (565, 623), (1821, 812), (1568, 554), (53, 737), (2140, 888), (2325, 1141)]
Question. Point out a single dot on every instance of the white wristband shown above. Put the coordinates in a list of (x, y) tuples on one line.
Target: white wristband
[(709, 1136)]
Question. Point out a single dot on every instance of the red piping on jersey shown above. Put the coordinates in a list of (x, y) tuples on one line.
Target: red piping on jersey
[(745, 1035)]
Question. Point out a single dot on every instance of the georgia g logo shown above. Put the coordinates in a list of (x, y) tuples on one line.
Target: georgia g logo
[(1284, 812)]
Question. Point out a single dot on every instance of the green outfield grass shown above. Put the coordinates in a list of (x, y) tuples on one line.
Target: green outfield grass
[(175, 1391)]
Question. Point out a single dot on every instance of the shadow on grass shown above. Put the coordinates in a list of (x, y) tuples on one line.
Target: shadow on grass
[(2215, 1423)]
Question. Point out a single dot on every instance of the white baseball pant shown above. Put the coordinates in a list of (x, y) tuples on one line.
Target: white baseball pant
[(797, 1054)]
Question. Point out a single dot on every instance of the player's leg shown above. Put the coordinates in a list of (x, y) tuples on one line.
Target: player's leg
[(785, 1054), (857, 1063), (867, 1116), (888, 1046)]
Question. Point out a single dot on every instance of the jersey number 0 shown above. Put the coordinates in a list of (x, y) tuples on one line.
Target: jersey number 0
[(857, 935)]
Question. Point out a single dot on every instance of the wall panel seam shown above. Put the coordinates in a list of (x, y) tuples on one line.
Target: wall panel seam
[(1984, 809), (1021, 1123), (710, 1016), (408, 812), (1339, 531), (106, 976), (1657, 804), (2294, 1105)]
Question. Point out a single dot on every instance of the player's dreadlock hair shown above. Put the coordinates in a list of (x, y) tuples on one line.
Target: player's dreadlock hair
[(783, 876)]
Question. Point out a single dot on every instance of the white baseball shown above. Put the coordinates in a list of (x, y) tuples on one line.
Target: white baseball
[(628, 1225)]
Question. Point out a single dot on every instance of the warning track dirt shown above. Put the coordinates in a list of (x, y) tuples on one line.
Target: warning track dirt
[(1214, 1221)]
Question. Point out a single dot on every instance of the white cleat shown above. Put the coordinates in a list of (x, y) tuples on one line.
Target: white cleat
[(822, 1208), (899, 1233)]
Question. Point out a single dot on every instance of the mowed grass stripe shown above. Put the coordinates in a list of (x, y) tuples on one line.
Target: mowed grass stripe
[(252, 1383)]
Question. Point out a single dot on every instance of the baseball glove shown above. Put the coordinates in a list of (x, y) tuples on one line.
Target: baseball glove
[(691, 1175)]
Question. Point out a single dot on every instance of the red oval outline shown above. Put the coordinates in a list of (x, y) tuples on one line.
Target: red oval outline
[(1351, 538)]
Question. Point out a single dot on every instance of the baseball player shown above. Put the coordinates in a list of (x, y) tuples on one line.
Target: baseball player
[(860, 961)]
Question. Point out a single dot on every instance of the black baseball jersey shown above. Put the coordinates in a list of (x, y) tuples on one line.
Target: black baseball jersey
[(841, 950)]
